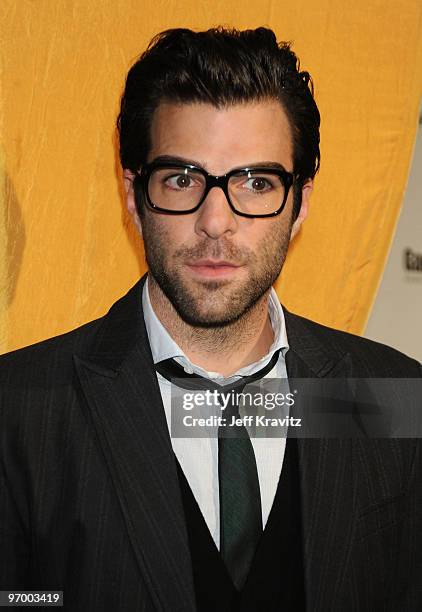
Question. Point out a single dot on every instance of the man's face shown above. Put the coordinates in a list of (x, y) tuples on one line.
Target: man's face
[(214, 265)]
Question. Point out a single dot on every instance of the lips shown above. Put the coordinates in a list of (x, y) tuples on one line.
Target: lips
[(213, 268), (214, 263)]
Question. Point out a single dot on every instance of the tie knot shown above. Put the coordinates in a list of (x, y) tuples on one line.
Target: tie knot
[(173, 371), (229, 398)]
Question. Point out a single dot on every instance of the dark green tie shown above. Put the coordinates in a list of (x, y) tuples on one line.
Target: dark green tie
[(240, 498)]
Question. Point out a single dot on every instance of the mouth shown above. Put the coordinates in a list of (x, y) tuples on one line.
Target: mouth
[(213, 268)]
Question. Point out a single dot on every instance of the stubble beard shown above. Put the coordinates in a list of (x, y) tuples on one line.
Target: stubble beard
[(214, 303)]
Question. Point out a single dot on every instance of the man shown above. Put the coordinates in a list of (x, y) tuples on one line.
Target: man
[(219, 142)]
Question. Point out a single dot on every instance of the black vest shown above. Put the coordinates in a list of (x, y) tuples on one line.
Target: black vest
[(276, 580)]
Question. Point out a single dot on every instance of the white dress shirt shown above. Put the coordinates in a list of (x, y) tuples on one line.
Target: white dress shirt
[(198, 456)]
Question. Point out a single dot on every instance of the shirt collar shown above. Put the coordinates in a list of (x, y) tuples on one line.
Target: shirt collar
[(164, 347)]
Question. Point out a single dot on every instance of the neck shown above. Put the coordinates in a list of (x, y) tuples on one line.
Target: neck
[(219, 349)]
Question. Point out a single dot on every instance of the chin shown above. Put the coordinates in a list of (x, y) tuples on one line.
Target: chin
[(207, 317)]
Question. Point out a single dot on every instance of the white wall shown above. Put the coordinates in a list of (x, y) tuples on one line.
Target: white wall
[(396, 317)]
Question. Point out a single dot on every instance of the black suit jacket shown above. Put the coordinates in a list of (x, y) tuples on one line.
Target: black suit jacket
[(89, 495)]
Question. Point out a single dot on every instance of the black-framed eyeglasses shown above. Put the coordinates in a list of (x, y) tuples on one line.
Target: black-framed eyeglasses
[(180, 189)]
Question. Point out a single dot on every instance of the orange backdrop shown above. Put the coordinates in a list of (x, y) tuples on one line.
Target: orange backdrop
[(66, 245)]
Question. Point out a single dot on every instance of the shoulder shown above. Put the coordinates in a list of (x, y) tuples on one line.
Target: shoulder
[(369, 357), (49, 358), (51, 361)]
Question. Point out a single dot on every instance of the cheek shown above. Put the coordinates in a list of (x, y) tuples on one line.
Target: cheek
[(271, 232), (276, 240), (162, 233)]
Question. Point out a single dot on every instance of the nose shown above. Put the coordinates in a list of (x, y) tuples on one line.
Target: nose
[(215, 217)]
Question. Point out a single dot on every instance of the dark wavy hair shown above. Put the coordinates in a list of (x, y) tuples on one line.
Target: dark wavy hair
[(220, 67)]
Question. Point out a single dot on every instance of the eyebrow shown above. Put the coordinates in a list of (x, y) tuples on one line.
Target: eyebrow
[(183, 160)]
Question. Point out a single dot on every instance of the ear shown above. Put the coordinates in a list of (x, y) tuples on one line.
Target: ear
[(130, 198), (303, 213)]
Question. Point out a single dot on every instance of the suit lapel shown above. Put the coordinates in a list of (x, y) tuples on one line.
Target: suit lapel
[(327, 498), (124, 406)]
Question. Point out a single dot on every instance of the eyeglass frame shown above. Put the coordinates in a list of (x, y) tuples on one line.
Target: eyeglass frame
[(287, 178)]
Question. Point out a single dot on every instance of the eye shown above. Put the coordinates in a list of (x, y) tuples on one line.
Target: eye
[(180, 181), (258, 184)]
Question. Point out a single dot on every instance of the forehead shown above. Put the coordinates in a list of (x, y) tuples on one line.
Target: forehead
[(222, 138)]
